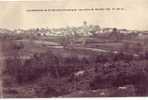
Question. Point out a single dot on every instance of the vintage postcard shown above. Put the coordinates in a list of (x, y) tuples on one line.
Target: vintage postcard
[(73, 48)]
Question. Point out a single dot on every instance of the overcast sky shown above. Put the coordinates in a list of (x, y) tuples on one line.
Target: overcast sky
[(134, 16)]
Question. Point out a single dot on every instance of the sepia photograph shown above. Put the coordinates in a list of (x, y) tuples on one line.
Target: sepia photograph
[(73, 48)]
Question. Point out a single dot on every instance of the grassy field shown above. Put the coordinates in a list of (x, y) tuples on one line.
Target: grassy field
[(47, 69)]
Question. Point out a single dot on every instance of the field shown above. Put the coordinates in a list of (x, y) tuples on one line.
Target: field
[(46, 68)]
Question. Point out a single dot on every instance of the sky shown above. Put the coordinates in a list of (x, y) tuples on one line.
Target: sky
[(14, 14)]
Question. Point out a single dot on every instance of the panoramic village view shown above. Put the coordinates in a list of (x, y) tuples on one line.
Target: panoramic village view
[(84, 61)]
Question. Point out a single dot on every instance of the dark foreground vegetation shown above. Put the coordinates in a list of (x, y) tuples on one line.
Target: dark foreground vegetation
[(48, 74)]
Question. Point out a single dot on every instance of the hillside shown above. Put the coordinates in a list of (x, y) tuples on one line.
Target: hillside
[(37, 69)]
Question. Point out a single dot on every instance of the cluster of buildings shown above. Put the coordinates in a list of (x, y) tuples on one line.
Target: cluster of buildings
[(84, 30)]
